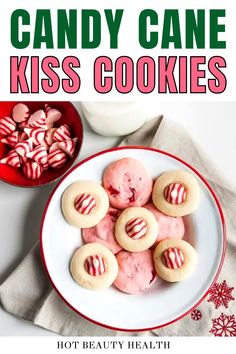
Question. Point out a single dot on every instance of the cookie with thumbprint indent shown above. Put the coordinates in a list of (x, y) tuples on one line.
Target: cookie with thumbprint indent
[(176, 193), (136, 229), (128, 183), (84, 204), (94, 266), (175, 260)]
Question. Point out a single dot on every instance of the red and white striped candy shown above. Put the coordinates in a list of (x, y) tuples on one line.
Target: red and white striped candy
[(24, 147), (38, 119), (20, 112), (45, 166), (11, 159), (62, 133), (32, 170), (39, 154), (136, 228), (49, 136), (95, 265), (53, 115), (47, 107), (57, 159), (23, 159), (68, 146), (7, 126), (22, 136), (11, 139), (173, 258), (54, 147), (85, 203), (37, 134), (175, 193), (43, 143), (14, 138)]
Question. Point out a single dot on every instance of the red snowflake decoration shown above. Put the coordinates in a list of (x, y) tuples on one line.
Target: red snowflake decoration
[(224, 326), (196, 315), (220, 294)]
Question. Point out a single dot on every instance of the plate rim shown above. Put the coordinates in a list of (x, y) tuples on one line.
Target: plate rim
[(210, 189)]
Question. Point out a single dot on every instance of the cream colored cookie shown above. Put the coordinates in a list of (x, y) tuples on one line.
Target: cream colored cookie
[(174, 260), (84, 204), (176, 193), (136, 229), (93, 266)]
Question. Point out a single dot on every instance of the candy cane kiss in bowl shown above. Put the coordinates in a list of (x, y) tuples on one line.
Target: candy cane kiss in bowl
[(39, 141)]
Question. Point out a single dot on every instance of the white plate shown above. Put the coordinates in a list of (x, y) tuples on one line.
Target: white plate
[(163, 303)]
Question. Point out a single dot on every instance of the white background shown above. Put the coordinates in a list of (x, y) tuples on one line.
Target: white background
[(212, 125)]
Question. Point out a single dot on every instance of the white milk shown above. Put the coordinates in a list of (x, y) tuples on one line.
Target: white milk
[(114, 118)]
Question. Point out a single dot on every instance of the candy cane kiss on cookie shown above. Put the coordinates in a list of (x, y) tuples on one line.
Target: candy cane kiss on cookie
[(136, 229), (176, 193), (94, 266), (84, 204), (174, 260)]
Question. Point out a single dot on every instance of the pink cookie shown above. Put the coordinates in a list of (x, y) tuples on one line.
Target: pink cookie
[(169, 226), (128, 183), (136, 271), (103, 232)]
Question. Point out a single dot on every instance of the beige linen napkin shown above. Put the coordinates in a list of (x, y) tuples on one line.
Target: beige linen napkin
[(28, 294)]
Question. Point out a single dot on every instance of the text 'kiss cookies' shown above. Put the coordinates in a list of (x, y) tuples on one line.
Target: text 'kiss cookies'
[(93, 266), (136, 229), (174, 260), (176, 193), (84, 204)]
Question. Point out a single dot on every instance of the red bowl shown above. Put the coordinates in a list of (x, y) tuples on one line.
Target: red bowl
[(70, 116)]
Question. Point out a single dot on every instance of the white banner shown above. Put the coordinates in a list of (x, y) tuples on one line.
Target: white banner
[(144, 345), (80, 50)]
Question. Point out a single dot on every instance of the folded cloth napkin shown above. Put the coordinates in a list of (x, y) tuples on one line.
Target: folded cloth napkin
[(28, 294)]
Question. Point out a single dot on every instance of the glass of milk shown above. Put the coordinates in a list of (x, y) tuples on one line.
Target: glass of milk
[(114, 118)]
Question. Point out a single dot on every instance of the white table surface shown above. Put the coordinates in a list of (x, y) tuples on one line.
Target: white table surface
[(213, 125)]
